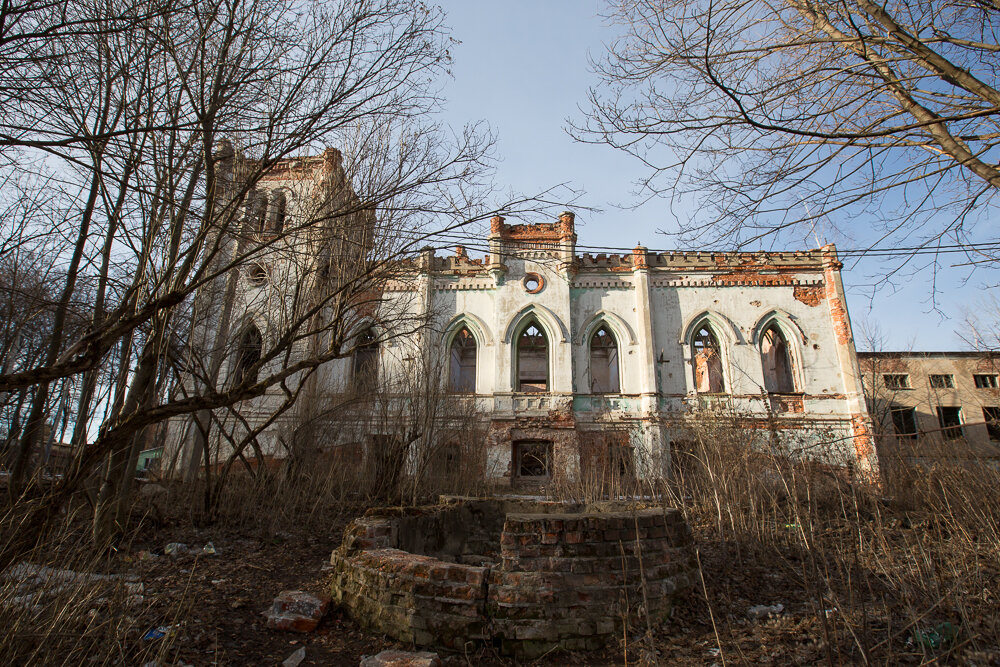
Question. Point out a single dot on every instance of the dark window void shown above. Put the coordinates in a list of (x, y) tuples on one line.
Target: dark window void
[(276, 224), (985, 381), (257, 211), (248, 354), (777, 362), (532, 360), (462, 371), (942, 381), (604, 377), (950, 419), (992, 417), (533, 460), (904, 422), (707, 362), (896, 381), (365, 361)]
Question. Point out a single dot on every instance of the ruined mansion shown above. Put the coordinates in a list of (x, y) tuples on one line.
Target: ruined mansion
[(549, 360)]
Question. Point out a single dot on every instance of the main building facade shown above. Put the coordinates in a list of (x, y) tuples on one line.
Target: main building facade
[(567, 359)]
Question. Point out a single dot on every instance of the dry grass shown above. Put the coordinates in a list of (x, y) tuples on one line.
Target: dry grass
[(905, 571)]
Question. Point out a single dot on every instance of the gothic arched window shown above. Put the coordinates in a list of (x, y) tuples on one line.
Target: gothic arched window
[(462, 363), (776, 359), (707, 361), (277, 222), (532, 360), (604, 375), (365, 360), (248, 353)]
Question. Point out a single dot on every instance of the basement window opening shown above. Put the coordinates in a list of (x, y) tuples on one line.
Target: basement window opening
[(534, 460)]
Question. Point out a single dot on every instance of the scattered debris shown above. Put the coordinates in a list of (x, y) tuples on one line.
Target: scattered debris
[(934, 638), (760, 611), (401, 659), (175, 549), (156, 633), (209, 550), (296, 611), (294, 659)]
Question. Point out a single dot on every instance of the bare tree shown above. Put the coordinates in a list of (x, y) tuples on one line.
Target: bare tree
[(777, 115), (161, 216)]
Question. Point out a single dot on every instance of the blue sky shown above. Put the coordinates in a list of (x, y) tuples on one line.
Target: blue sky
[(522, 67)]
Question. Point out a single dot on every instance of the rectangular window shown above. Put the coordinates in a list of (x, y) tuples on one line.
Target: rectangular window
[(985, 381), (950, 419), (992, 417), (896, 381), (942, 381), (904, 422), (533, 460)]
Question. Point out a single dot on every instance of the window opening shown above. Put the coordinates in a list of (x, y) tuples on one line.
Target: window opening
[(985, 381), (248, 354), (992, 417), (950, 419), (365, 360), (277, 223), (604, 374), (896, 381), (258, 275), (942, 381), (534, 460), (904, 422), (777, 362), (462, 375), (532, 360), (257, 212), (707, 362)]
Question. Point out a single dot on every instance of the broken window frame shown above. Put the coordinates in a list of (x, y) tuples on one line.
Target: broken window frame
[(705, 345), (249, 351), (899, 415), (605, 366), (899, 381), (991, 415), (985, 380), (278, 212), (950, 430), (463, 356), (365, 360), (941, 381), (541, 456), (528, 343), (776, 381)]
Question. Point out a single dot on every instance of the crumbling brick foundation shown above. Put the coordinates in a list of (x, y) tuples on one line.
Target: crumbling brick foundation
[(527, 576)]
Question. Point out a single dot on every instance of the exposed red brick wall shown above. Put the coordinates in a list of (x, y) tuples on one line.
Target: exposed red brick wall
[(811, 295)]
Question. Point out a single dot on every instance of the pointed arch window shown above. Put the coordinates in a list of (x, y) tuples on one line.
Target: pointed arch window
[(365, 360), (277, 221), (248, 353), (604, 373), (462, 363), (257, 211), (708, 376), (532, 360), (777, 362)]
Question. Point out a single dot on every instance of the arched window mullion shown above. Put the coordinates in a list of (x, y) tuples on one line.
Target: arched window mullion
[(707, 361), (605, 377), (776, 360), (462, 363), (532, 356)]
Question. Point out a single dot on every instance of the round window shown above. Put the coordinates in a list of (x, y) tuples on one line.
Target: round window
[(533, 283), (258, 274)]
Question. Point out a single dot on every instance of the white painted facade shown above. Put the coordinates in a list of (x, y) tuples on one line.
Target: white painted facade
[(654, 306)]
